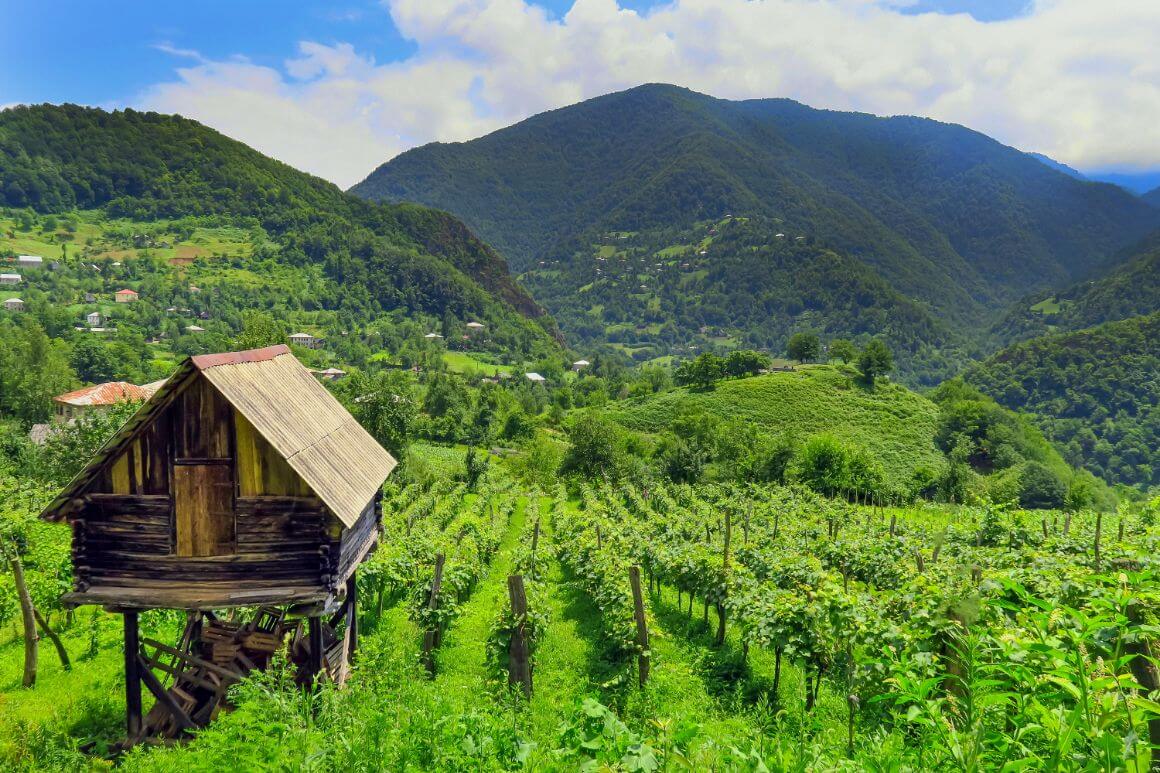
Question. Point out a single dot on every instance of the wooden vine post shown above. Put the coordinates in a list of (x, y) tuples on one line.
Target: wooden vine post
[(725, 577), (519, 656), (1099, 527), (1146, 673), (642, 659), (535, 545), (431, 636)]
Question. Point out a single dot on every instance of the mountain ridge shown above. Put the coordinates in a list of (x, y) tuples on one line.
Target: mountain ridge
[(902, 194)]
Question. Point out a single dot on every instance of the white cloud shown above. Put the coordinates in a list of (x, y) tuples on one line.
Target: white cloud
[(1075, 79)]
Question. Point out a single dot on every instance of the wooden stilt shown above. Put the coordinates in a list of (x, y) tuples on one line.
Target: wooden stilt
[(352, 619), (642, 660), (315, 633), (132, 679)]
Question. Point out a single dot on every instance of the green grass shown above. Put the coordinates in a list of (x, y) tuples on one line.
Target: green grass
[(894, 424), (465, 362)]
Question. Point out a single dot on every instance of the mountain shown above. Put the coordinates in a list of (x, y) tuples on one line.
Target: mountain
[(1152, 197), (739, 281), (1136, 182), (944, 214), (146, 166), (1059, 166), (1130, 287), (1095, 392)]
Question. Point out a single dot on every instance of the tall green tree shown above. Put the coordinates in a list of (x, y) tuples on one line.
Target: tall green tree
[(875, 360), (804, 347)]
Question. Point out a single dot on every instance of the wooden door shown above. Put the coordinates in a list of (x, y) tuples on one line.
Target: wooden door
[(204, 509)]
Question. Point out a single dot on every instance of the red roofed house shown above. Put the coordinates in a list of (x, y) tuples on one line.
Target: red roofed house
[(125, 296), (97, 397)]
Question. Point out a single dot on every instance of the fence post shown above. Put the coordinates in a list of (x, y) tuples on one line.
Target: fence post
[(431, 636), (519, 665), (641, 624)]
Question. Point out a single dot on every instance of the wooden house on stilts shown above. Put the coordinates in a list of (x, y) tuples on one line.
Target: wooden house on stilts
[(243, 485)]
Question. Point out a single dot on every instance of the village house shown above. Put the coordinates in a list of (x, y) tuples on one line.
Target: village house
[(10, 279), (305, 340), (90, 298), (535, 378), (93, 319), (329, 374), (194, 329), (29, 261), (126, 296), (98, 397), (14, 304), (580, 365), (242, 485), (475, 327)]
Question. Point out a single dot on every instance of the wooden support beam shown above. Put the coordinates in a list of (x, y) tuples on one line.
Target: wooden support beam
[(162, 695), (132, 679), (352, 620), (315, 633)]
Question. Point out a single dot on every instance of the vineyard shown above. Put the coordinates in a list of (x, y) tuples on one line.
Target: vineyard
[(684, 627)]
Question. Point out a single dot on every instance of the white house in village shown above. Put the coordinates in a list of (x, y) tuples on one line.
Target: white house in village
[(305, 340), (93, 319), (580, 365), (10, 279), (475, 327), (194, 329), (14, 304), (29, 261), (535, 378)]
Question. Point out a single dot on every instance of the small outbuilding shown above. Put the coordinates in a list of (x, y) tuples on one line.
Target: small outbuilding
[(242, 482)]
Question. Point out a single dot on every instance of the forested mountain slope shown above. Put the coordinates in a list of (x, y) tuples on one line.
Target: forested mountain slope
[(944, 214), (1095, 392), (1153, 197), (146, 166), (1130, 288), (740, 281)]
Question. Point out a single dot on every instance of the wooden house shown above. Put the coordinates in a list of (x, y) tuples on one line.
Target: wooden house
[(241, 482)]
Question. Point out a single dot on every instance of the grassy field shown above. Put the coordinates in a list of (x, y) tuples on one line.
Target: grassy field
[(465, 362), (894, 424)]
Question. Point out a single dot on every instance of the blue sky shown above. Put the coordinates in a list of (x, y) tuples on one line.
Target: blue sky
[(337, 87)]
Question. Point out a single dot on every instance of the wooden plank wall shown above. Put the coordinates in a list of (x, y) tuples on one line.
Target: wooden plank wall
[(125, 541), (261, 470)]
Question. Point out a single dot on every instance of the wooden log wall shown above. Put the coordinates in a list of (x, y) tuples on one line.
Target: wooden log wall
[(126, 541)]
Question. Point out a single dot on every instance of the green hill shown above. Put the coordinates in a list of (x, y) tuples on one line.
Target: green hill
[(942, 213), (1095, 392), (145, 167), (1153, 197), (897, 426), (953, 443), (734, 282), (1130, 288)]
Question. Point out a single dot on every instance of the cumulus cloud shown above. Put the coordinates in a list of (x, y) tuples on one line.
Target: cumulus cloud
[(1075, 79)]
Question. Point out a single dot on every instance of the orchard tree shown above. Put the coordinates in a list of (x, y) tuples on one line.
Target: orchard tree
[(804, 347), (745, 362), (875, 360), (842, 349)]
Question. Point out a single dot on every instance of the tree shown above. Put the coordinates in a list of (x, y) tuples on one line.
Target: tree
[(701, 372), (93, 361), (875, 360), (844, 350), (383, 404), (595, 450), (745, 362), (804, 347), (259, 329), (1041, 487)]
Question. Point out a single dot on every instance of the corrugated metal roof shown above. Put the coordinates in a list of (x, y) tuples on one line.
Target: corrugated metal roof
[(109, 393), (305, 424)]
